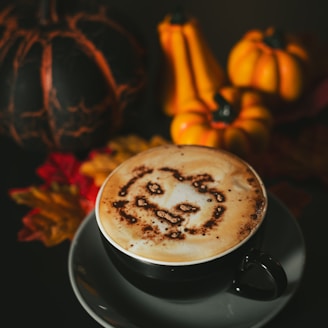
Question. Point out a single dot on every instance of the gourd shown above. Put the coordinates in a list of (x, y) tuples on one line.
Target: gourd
[(191, 73), (237, 120), (271, 61), (68, 71)]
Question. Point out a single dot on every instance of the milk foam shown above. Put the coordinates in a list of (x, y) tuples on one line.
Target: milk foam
[(180, 204)]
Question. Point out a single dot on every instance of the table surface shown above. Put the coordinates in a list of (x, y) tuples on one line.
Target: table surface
[(36, 290)]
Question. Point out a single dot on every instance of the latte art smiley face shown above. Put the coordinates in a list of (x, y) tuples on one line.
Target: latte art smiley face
[(180, 204), (173, 222)]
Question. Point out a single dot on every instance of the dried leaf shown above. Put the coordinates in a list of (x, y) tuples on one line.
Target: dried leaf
[(64, 168), (60, 204), (103, 161), (56, 213)]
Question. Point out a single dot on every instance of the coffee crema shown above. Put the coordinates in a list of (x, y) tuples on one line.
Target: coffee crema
[(180, 204)]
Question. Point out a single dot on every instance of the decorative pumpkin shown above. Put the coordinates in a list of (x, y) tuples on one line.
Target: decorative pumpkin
[(271, 61), (68, 71), (191, 74), (237, 121)]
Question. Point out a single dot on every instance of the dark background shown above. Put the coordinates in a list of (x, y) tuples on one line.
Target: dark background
[(35, 289)]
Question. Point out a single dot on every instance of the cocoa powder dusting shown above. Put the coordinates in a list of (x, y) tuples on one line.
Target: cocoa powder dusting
[(140, 172), (174, 217), (127, 217)]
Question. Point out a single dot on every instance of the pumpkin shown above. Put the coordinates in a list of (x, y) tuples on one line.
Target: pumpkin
[(191, 73), (237, 121), (271, 61), (68, 72)]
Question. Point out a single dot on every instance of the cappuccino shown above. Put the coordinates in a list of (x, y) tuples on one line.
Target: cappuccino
[(180, 204)]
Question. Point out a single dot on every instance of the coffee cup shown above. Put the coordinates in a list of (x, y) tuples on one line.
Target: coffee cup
[(186, 220)]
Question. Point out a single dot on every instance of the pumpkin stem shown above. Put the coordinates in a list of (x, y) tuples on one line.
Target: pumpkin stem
[(178, 16), (275, 39), (225, 112), (47, 12)]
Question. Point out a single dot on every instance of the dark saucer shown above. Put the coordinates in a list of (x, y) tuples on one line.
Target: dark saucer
[(114, 302)]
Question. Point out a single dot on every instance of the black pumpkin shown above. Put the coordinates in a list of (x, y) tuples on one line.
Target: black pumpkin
[(67, 73)]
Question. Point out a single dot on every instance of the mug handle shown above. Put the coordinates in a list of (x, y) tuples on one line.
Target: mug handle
[(259, 276)]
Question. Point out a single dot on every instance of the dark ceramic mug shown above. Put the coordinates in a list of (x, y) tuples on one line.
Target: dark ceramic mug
[(227, 189), (248, 271)]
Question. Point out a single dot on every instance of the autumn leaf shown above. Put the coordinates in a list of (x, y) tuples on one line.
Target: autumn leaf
[(102, 161), (56, 213), (60, 204), (64, 168)]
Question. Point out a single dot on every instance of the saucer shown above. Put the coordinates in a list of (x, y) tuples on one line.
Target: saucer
[(114, 302)]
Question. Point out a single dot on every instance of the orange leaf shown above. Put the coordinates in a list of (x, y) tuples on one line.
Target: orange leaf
[(56, 213), (60, 204), (102, 161)]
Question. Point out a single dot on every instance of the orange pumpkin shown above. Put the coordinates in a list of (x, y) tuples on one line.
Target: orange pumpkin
[(274, 62), (237, 121), (191, 73)]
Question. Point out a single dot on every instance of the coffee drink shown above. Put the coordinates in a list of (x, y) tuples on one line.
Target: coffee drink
[(180, 204)]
